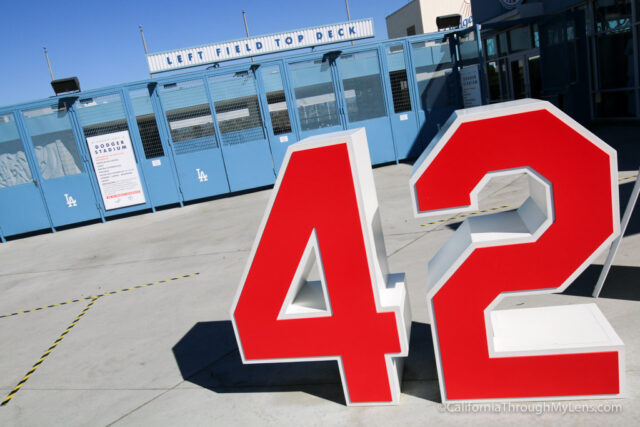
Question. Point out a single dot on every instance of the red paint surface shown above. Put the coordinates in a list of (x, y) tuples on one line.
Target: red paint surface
[(317, 191), (581, 181)]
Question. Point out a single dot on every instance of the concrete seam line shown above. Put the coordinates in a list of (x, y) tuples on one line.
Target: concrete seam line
[(48, 352), (101, 295)]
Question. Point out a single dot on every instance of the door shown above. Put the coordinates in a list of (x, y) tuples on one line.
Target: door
[(112, 153), (22, 208), (157, 167), (189, 123), (247, 155), (525, 75), (364, 99), (281, 133), (404, 121), (62, 164), (436, 87), (316, 97)]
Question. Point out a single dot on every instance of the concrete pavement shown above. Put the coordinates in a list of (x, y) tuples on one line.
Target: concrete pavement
[(165, 354)]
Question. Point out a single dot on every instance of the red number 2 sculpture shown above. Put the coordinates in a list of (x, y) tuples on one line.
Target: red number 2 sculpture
[(569, 218)]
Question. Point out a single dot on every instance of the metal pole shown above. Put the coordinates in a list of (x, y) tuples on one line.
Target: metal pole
[(144, 44), (46, 55), (616, 243), (346, 2), (246, 27)]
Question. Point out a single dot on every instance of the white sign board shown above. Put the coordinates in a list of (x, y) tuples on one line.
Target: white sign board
[(470, 82), (115, 166), (261, 45)]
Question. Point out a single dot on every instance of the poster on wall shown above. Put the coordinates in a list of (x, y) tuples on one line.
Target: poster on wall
[(470, 82), (115, 166)]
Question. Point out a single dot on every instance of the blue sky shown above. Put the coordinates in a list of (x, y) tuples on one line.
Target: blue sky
[(99, 41)]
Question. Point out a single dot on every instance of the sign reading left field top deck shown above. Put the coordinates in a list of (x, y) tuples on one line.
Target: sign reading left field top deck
[(261, 45)]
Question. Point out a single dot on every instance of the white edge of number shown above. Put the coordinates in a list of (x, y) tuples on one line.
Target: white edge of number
[(421, 165), (388, 289)]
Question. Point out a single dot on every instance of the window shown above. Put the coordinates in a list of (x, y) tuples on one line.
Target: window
[(14, 167), (53, 141), (362, 86), (189, 116), (398, 79), (411, 31), (237, 110), (278, 110), (433, 73), (147, 126), (315, 96)]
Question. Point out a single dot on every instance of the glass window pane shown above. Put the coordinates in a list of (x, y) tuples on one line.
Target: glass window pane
[(315, 98), (146, 120), (278, 110), (611, 14), (517, 78), (53, 141), (494, 80), (491, 47), (398, 79), (433, 73), (237, 110), (362, 86), (615, 104), (14, 168), (502, 44), (614, 51), (469, 50), (520, 39), (190, 123)]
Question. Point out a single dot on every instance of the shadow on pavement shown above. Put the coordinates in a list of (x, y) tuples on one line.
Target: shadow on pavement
[(208, 356), (622, 283)]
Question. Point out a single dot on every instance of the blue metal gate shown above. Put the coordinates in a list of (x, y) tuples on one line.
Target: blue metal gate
[(63, 166), (19, 190), (277, 112), (363, 95), (404, 119), (154, 159), (247, 155), (197, 154)]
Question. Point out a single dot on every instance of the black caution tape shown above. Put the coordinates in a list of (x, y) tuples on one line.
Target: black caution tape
[(92, 300), (97, 296)]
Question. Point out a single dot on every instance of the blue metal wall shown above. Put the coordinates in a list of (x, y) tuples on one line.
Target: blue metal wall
[(222, 130)]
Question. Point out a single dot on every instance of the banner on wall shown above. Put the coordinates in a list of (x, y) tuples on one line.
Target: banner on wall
[(470, 82), (116, 169)]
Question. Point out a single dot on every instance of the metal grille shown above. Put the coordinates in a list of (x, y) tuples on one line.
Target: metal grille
[(278, 112), (150, 136), (105, 128), (237, 108), (189, 116), (147, 126), (400, 91)]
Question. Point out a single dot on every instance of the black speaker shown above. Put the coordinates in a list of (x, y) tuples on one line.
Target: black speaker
[(448, 21), (70, 84)]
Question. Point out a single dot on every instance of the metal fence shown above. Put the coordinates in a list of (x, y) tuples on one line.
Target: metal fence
[(220, 130)]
